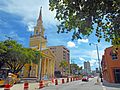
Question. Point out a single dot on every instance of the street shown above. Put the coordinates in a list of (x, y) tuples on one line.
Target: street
[(74, 85)]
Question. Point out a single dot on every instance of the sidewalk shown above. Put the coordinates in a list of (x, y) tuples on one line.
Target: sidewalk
[(34, 85), (107, 84)]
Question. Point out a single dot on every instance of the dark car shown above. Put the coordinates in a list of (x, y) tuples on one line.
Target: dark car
[(85, 78)]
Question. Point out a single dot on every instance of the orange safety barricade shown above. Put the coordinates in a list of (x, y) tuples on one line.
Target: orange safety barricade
[(67, 80), (26, 86), (56, 82), (71, 79), (63, 81), (41, 84), (7, 87), (52, 80)]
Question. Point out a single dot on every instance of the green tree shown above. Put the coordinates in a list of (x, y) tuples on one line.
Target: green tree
[(74, 68), (64, 65), (2, 51), (15, 56), (84, 16)]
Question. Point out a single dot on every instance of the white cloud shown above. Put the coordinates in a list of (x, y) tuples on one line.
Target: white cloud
[(93, 63), (29, 10), (84, 53), (82, 59), (31, 26), (93, 54), (70, 44), (82, 41), (15, 36)]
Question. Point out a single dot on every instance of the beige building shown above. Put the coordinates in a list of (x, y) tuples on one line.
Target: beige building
[(38, 42), (61, 53)]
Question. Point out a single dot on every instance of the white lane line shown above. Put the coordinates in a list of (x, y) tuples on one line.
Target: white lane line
[(104, 88)]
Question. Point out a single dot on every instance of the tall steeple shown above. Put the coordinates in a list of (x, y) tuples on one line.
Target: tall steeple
[(39, 27), (40, 15), (38, 33)]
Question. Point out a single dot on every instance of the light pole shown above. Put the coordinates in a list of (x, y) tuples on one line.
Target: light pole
[(39, 73), (100, 75)]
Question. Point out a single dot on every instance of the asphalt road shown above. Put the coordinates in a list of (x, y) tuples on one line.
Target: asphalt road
[(76, 85)]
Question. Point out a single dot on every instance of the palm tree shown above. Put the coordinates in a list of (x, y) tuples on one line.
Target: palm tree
[(64, 65)]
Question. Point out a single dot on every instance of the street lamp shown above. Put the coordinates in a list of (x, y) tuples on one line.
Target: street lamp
[(98, 60), (40, 67)]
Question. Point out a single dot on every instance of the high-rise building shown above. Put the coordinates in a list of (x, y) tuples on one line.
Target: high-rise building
[(61, 53), (87, 68)]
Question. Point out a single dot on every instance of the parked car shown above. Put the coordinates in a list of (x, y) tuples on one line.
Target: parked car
[(85, 78), (92, 76)]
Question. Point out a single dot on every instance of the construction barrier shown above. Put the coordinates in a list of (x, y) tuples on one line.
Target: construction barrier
[(75, 79), (63, 81), (7, 87), (56, 82), (26, 85), (71, 79), (52, 80), (41, 84), (67, 80)]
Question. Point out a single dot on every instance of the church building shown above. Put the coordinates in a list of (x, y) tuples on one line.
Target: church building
[(38, 42)]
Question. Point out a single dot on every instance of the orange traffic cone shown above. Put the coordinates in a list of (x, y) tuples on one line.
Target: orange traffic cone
[(67, 80), (56, 82), (7, 87), (52, 80), (71, 79), (41, 84), (26, 85), (63, 81)]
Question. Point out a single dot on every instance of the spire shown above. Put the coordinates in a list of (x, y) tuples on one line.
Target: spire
[(40, 15)]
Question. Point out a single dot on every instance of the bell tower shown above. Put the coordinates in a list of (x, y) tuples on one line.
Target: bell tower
[(38, 39)]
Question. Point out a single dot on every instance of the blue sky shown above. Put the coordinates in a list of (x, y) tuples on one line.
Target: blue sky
[(18, 18)]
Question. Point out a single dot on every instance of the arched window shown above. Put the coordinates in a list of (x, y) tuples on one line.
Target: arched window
[(37, 32)]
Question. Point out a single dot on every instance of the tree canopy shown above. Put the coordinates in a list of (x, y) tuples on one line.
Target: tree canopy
[(15, 56), (64, 65), (84, 16), (74, 68)]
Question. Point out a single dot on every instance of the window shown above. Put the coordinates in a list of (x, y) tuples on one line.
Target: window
[(36, 31), (114, 56)]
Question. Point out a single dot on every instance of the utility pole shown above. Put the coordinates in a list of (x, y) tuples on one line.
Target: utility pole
[(40, 33), (100, 73), (40, 67)]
